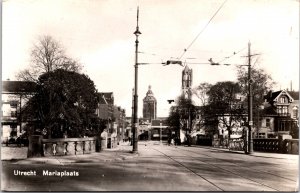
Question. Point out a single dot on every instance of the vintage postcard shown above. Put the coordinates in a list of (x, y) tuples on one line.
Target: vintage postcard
[(153, 95)]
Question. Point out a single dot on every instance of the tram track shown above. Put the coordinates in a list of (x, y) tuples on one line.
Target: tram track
[(239, 165), (214, 165), (169, 157)]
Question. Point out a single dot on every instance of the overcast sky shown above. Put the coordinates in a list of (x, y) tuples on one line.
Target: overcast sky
[(99, 33)]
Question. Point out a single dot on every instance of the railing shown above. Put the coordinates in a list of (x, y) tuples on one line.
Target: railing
[(284, 114), (290, 146), (266, 145), (68, 146)]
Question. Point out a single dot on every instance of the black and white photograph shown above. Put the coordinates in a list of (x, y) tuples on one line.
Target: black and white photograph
[(150, 95)]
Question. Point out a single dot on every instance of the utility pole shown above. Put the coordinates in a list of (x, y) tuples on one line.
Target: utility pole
[(248, 137), (250, 98), (190, 127), (132, 121), (149, 105), (135, 106), (160, 134), (20, 115)]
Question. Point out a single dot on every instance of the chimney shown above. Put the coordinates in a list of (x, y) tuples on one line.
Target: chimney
[(269, 95)]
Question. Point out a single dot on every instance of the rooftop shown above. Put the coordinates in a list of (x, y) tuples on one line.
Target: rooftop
[(17, 87)]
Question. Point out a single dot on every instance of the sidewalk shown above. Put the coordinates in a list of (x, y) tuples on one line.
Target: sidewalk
[(119, 153), (254, 153)]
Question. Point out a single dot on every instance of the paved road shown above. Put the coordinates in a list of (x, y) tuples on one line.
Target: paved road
[(157, 168)]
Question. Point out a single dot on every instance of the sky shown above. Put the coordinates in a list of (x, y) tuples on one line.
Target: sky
[(99, 34)]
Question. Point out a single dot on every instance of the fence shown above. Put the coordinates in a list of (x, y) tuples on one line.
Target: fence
[(289, 146), (267, 145)]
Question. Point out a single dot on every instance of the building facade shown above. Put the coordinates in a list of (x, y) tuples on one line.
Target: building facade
[(15, 95), (116, 119), (120, 122), (187, 80), (280, 114), (149, 106), (105, 108)]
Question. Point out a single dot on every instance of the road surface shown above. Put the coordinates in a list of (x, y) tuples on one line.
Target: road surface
[(155, 168)]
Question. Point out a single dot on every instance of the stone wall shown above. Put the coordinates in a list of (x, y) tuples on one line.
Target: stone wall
[(62, 146), (68, 146)]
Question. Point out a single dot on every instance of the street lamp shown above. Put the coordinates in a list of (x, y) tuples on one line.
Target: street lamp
[(250, 113), (135, 105), (249, 149)]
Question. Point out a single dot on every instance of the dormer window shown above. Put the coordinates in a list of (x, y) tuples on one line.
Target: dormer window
[(283, 99)]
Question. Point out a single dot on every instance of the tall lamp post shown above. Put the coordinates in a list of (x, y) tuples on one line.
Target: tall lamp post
[(250, 113), (135, 106)]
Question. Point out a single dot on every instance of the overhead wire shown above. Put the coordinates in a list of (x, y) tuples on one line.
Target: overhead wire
[(185, 50), (234, 53), (217, 63)]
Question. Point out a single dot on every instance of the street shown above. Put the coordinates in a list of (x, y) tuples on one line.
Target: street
[(157, 168)]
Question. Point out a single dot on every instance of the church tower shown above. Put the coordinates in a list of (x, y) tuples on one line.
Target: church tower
[(187, 77), (149, 105)]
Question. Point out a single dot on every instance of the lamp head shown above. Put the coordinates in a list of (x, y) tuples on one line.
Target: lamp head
[(137, 32)]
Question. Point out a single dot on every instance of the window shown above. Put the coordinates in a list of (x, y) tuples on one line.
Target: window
[(13, 113), (284, 110), (282, 126), (261, 135), (13, 105), (268, 122), (279, 110), (283, 100), (295, 112)]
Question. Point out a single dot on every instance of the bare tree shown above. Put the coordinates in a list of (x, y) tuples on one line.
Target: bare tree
[(47, 55), (201, 92)]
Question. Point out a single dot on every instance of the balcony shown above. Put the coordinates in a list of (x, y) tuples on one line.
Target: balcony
[(284, 114), (8, 119)]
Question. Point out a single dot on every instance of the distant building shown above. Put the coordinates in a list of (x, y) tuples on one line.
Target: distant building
[(116, 118), (149, 105), (120, 122), (105, 108), (160, 129), (15, 94), (187, 80), (280, 114), (128, 129)]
